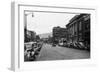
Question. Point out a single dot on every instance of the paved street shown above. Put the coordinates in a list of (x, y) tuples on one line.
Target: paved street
[(60, 53)]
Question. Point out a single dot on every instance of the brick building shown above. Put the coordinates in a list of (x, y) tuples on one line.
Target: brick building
[(59, 33)]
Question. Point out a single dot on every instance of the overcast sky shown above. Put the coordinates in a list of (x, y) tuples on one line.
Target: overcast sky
[(43, 22)]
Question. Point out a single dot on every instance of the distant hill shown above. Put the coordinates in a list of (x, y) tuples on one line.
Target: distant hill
[(45, 35)]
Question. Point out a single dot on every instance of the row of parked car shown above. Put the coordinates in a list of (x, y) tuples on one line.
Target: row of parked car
[(78, 45), (31, 50)]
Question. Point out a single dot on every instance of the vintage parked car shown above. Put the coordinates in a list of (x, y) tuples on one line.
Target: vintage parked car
[(31, 50), (60, 44), (53, 44), (71, 45), (68, 45), (75, 45), (81, 45), (85, 46)]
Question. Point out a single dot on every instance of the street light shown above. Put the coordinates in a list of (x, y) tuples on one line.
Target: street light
[(32, 15), (26, 24), (26, 18)]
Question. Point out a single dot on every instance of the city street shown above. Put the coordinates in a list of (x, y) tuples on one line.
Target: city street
[(60, 53)]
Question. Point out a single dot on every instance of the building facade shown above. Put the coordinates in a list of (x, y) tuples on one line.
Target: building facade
[(78, 29), (29, 36), (59, 33)]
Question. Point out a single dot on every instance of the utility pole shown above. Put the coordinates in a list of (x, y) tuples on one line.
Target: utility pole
[(25, 22)]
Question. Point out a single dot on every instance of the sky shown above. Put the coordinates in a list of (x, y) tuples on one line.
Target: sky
[(43, 22)]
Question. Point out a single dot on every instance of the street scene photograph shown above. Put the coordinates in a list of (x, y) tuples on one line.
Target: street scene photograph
[(56, 36)]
